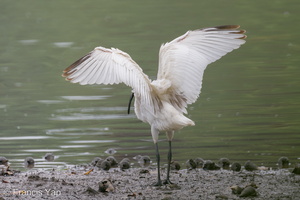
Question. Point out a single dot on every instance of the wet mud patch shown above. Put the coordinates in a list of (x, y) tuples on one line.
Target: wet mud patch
[(134, 183)]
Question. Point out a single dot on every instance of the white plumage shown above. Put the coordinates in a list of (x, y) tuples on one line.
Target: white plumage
[(162, 102)]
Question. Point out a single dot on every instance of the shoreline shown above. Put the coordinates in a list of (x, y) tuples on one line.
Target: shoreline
[(82, 182)]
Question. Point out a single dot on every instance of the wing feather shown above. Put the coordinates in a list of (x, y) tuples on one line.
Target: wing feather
[(110, 66), (183, 60)]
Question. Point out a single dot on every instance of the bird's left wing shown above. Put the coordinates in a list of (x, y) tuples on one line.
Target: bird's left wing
[(110, 66), (182, 61)]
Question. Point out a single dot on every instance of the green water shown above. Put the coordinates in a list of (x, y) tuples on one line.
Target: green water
[(249, 107)]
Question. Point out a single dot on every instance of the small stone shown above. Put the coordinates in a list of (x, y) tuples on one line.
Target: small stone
[(49, 157), (144, 161), (250, 166), (190, 164), (175, 165), (209, 165), (112, 160), (29, 162), (124, 164), (199, 162), (224, 163), (248, 192), (296, 170), (3, 161), (106, 186), (105, 165), (236, 189), (236, 167), (96, 160), (283, 162)]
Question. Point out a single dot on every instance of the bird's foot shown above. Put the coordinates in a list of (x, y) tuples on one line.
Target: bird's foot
[(167, 182), (157, 184)]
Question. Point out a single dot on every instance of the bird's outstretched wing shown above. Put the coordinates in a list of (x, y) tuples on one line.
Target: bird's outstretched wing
[(110, 66), (183, 60)]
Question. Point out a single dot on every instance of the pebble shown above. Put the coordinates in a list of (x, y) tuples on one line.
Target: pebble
[(250, 166), (106, 186), (209, 165), (144, 161), (175, 165), (112, 160), (236, 167), (104, 164), (96, 160), (283, 162), (199, 162), (191, 164), (248, 191), (224, 163), (124, 164), (296, 170), (236, 189), (4, 161), (29, 162), (49, 157)]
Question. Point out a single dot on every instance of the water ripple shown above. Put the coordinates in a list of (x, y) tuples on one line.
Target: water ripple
[(63, 44), (91, 109), (50, 101), (42, 150), (100, 97), (75, 146), (76, 131), (91, 141), (79, 116), (26, 138)]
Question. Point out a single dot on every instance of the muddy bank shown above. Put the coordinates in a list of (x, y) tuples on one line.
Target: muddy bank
[(135, 183)]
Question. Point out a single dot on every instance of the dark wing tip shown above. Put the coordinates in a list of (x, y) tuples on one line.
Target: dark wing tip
[(232, 27), (228, 27), (70, 70), (244, 37)]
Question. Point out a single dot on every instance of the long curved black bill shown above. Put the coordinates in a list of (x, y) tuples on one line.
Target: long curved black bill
[(129, 104)]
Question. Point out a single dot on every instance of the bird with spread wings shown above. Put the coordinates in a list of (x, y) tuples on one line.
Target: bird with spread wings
[(162, 102)]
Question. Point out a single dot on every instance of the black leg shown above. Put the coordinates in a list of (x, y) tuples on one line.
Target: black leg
[(167, 181), (158, 166)]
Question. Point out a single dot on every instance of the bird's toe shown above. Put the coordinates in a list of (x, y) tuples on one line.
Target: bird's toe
[(157, 184), (167, 182)]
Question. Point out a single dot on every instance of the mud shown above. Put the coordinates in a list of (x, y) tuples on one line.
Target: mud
[(85, 182)]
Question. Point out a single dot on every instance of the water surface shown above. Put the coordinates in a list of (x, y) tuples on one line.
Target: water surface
[(248, 108)]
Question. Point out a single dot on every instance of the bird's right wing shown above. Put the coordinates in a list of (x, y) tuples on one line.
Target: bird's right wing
[(110, 66), (182, 61)]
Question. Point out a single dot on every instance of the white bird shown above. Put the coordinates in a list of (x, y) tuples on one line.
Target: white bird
[(162, 103)]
